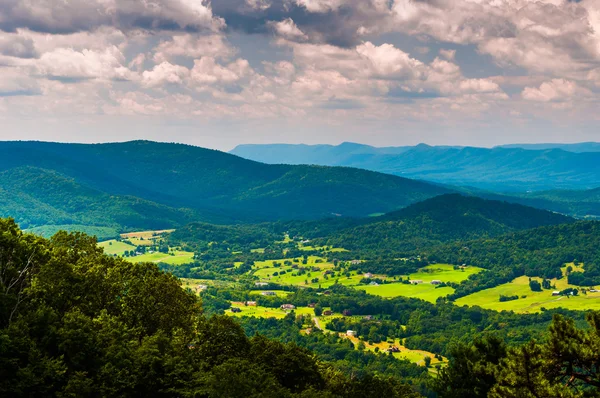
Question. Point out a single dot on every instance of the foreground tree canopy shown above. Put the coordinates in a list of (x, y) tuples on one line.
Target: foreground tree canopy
[(566, 364), (74, 322)]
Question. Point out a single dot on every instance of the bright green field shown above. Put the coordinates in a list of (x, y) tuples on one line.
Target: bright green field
[(265, 271), (534, 301), (444, 273), (263, 312), (423, 291), (112, 247), (179, 257)]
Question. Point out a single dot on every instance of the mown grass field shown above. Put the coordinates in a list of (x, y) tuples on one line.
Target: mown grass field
[(444, 273), (114, 247), (423, 291), (415, 356), (534, 301), (179, 257), (263, 312)]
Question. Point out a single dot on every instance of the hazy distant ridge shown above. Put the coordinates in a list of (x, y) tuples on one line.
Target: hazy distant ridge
[(509, 168)]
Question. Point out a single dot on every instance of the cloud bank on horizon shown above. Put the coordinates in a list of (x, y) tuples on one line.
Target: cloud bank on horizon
[(234, 71)]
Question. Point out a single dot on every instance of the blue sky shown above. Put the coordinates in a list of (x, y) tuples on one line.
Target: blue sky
[(382, 72)]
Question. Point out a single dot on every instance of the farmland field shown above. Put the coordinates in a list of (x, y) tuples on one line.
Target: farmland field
[(534, 301), (416, 356), (263, 312), (114, 247), (117, 248), (423, 291), (179, 257), (444, 273)]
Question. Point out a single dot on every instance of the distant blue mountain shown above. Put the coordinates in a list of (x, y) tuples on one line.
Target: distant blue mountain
[(504, 169), (577, 147)]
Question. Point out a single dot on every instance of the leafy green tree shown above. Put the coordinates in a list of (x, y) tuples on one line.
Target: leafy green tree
[(471, 370), (565, 366)]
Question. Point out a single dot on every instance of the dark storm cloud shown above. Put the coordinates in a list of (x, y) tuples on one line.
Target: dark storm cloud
[(59, 16), (339, 26)]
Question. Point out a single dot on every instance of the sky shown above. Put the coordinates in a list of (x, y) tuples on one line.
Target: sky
[(227, 72)]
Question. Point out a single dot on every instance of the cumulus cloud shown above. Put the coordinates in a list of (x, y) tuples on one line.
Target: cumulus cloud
[(554, 90), (58, 16), (69, 64), (193, 46), (288, 29)]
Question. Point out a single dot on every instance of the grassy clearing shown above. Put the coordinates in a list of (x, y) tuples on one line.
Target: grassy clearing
[(117, 248), (114, 247), (423, 291), (415, 356), (534, 301), (145, 238), (444, 273), (263, 312), (193, 283), (179, 257)]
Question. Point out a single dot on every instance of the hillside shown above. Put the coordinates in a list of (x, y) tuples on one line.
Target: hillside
[(537, 252), (501, 168), (37, 197), (143, 182), (441, 219)]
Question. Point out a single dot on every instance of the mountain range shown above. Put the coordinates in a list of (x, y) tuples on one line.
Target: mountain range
[(511, 168), (144, 184)]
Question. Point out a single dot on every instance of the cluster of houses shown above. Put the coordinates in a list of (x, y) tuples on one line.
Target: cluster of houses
[(268, 293), (288, 307)]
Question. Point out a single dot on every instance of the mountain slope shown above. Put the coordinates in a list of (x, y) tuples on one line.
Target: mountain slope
[(212, 183), (501, 169), (37, 197), (441, 219)]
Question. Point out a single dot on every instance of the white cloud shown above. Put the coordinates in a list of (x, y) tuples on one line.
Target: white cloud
[(58, 16), (66, 63), (554, 90), (193, 46), (165, 73), (288, 29)]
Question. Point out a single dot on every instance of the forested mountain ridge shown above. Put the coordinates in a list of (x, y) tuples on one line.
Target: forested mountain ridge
[(499, 168), (38, 197), (210, 182), (441, 219)]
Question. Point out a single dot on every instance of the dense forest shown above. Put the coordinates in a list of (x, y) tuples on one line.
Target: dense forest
[(74, 322), (441, 219)]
